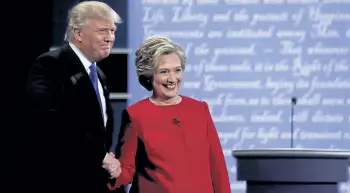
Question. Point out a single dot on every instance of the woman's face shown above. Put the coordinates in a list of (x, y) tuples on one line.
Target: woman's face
[(167, 77)]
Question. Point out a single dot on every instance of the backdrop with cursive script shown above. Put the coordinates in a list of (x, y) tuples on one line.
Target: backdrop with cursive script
[(248, 58)]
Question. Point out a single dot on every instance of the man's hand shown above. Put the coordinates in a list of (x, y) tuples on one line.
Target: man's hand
[(112, 165), (110, 159)]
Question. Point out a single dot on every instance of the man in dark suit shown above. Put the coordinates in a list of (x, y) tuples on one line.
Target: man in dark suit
[(71, 117)]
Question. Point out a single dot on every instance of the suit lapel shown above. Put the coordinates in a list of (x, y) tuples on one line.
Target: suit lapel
[(102, 78), (81, 79), (110, 123)]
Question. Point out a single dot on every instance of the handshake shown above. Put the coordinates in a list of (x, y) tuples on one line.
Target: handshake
[(112, 165)]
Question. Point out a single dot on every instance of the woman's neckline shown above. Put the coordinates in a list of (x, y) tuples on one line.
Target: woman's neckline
[(154, 103)]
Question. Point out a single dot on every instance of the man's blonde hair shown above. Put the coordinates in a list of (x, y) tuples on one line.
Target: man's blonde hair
[(83, 12)]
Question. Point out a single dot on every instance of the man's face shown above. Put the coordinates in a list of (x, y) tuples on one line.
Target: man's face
[(96, 39)]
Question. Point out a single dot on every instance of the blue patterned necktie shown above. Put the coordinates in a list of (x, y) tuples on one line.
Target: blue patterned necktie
[(94, 80)]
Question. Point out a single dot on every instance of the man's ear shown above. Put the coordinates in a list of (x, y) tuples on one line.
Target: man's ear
[(77, 34)]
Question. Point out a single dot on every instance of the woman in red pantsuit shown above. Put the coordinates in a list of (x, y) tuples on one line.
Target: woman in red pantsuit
[(168, 142)]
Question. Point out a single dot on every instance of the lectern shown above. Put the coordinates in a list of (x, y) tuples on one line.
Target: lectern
[(292, 170)]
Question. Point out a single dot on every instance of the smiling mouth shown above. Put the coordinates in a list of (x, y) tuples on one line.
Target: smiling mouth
[(170, 86)]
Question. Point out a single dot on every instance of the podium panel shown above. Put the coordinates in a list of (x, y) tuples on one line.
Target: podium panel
[(292, 170), (292, 188)]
